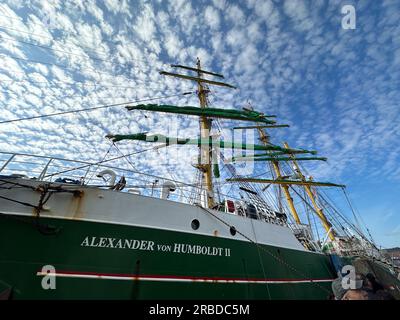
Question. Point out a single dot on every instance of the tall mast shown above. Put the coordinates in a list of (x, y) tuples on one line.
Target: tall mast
[(327, 225), (205, 156), (285, 188), (205, 151), (284, 184)]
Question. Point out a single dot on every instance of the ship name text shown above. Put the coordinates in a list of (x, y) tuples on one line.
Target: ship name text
[(147, 245)]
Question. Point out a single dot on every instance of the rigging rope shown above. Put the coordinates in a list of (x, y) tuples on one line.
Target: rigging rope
[(352, 209), (67, 40), (264, 249), (98, 165), (94, 108)]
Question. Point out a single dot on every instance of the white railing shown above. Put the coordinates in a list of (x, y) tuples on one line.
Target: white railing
[(49, 169)]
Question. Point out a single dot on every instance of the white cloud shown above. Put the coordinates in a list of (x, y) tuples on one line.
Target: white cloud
[(212, 18), (295, 9), (236, 38), (186, 17), (235, 14), (117, 6), (145, 26), (337, 90), (220, 4), (173, 45), (264, 8), (93, 9)]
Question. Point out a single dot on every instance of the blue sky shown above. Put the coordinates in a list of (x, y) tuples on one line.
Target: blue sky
[(338, 89)]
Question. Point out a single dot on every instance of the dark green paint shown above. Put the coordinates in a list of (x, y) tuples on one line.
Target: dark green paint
[(24, 251)]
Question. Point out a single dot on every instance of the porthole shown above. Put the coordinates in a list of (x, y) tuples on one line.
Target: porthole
[(232, 230), (195, 224)]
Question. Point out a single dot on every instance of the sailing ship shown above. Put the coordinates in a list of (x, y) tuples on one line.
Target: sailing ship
[(96, 238)]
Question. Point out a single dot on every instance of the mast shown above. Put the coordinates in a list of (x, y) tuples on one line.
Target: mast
[(275, 164), (205, 151), (205, 157), (327, 225), (284, 184)]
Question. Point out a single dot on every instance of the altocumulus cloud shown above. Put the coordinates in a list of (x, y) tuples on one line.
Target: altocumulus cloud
[(338, 89)]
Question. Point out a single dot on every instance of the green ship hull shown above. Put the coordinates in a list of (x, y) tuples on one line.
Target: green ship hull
[(95, 260)]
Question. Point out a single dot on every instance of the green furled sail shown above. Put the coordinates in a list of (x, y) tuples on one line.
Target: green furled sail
[(217, 174), (200, 142), (235, 159), (246, 115), (274, 154), (287, 182)]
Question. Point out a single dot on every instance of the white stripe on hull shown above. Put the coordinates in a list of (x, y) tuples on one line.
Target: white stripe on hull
[(179, 279)]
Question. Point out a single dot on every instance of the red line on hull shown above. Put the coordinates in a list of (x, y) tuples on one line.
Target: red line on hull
[(180, 277)]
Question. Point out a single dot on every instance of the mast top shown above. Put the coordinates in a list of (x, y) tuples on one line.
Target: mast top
[(205, 158), (199, 71)]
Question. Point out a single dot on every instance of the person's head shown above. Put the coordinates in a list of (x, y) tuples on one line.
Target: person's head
[(356, 294)]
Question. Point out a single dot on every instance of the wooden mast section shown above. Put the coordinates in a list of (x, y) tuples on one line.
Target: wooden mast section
[(284, 184), (205, 151), (327, 225), (285, 188), (205, 158)]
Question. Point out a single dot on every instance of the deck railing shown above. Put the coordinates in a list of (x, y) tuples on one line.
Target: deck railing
[(46, 168)]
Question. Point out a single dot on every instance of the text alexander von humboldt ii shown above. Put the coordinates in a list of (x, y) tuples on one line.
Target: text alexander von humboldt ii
[(146, 245)]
